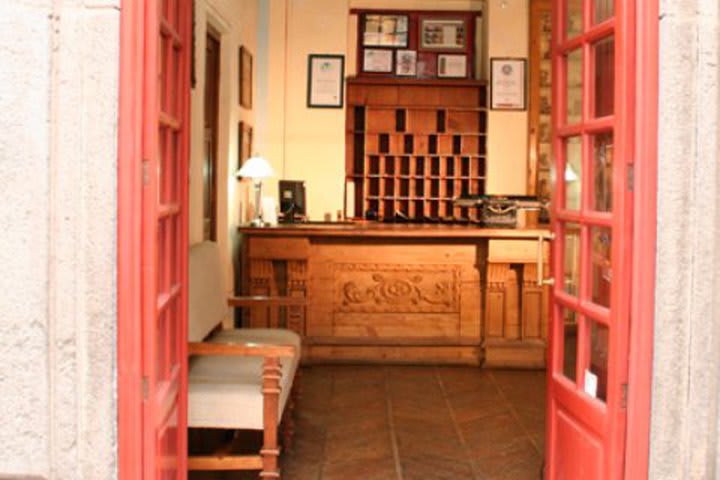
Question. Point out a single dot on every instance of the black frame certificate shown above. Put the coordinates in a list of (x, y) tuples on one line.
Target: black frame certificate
[(326, 81), (508, 83)]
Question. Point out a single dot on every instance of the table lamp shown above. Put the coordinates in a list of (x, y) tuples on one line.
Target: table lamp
[(256, 168)]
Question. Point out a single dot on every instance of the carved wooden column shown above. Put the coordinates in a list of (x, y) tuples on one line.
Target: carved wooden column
[(516, 307), (296, 287), (501, 302), (261, 276), (535, 302), (270, 452)]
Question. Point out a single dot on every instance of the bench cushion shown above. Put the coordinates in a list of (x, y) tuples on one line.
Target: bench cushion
[(226, 392)]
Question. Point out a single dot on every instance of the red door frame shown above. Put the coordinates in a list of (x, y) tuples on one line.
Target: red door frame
[(129, 332), (129, 238), (642, 309), (139, 209)]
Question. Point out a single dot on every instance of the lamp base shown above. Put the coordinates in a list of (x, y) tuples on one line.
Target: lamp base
[(257, 222)]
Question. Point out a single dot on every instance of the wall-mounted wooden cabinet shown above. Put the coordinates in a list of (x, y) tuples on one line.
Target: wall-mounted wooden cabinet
[(414, 146)]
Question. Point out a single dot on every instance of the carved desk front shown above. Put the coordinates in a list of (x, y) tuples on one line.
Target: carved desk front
[(392, 294)]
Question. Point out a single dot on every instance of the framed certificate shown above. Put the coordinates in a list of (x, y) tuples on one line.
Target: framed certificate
[(385, 30), (325, 81), (452, 66), (406, 63), (442, 34), (377, 60), (508, 80)]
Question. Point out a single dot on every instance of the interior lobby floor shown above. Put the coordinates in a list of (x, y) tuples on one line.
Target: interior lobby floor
[(416, 423)]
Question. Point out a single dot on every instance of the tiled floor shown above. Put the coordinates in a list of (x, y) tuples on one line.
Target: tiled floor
[(417, 423)]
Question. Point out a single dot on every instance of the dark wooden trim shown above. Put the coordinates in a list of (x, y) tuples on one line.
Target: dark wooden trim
[(229, 462), (382, 11), (382, 230), (422, 82), (260, 301)]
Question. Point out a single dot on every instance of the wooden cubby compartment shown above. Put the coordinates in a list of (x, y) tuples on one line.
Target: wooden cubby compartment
[(416, 145)]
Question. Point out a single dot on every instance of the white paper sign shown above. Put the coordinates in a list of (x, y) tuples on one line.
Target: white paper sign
[(591, 383)]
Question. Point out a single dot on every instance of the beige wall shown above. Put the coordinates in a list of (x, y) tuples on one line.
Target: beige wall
[(236, 21), (507, 131), (308, 144)]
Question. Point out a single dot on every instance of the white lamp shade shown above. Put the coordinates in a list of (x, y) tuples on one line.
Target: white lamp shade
[(256, 167)]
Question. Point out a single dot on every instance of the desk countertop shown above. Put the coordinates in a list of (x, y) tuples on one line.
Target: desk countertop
[(388, 230)]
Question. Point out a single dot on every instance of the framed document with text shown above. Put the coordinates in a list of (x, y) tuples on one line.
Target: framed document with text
[(508, 84), (325, 81)]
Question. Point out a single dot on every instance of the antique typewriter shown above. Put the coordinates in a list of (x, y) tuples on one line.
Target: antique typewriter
[(502, 211)]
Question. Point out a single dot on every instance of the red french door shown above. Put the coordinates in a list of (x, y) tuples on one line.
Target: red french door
[(593, 68), (152, 238), (165, 236)]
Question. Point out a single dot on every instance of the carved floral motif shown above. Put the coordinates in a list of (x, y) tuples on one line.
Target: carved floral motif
[(397, 288)]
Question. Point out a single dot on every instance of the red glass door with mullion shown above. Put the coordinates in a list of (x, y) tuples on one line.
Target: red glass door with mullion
[(164, 235), (592, 57)]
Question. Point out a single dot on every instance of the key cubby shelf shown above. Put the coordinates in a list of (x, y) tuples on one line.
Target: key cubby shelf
[(414, 146)]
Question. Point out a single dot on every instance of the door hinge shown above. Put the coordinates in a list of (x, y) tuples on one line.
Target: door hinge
[(145, 387), (631, 177), (146, 172), (623, 395)]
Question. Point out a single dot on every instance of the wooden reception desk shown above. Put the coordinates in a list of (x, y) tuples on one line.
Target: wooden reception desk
[(404, 293)]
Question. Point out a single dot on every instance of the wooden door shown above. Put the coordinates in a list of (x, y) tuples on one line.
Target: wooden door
[(593, 69), (164, 254), (212, 116)]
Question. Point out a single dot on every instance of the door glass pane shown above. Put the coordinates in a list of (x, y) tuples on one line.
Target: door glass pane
[(574, 18), (601, 267), (604, 52), (571, 248), (574, 87), (596, 381), (573, 172), (570, 332), (602, 172), (604, 9)]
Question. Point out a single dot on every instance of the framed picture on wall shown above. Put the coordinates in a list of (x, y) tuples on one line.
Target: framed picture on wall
[(245, 140), (406, 63), (443, 34), (326, 81), (377, 60), (385, 30), (452, 66), (246, 78), (508, 83)]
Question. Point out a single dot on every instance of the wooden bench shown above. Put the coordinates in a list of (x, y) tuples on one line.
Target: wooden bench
[(239, 379)]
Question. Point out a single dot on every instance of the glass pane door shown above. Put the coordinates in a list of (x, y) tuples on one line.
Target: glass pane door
[(592, 224)]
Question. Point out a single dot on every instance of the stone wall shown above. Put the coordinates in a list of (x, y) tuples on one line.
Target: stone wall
[(686, 388), (58, 98)]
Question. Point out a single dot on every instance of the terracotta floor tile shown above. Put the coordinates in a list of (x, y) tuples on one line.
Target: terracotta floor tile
[(433, 423)]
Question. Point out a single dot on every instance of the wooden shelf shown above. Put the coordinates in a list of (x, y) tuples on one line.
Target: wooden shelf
[(412, 160)]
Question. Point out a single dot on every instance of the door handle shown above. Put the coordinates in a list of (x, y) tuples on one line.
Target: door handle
[(541, 280)]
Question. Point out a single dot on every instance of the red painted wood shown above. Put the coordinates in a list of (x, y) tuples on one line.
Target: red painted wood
[(152, 238), (586, 436), (129, 329), (641, 335)]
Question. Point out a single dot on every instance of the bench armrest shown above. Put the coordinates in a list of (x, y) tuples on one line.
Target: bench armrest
[(241, 349), (262, 301)]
